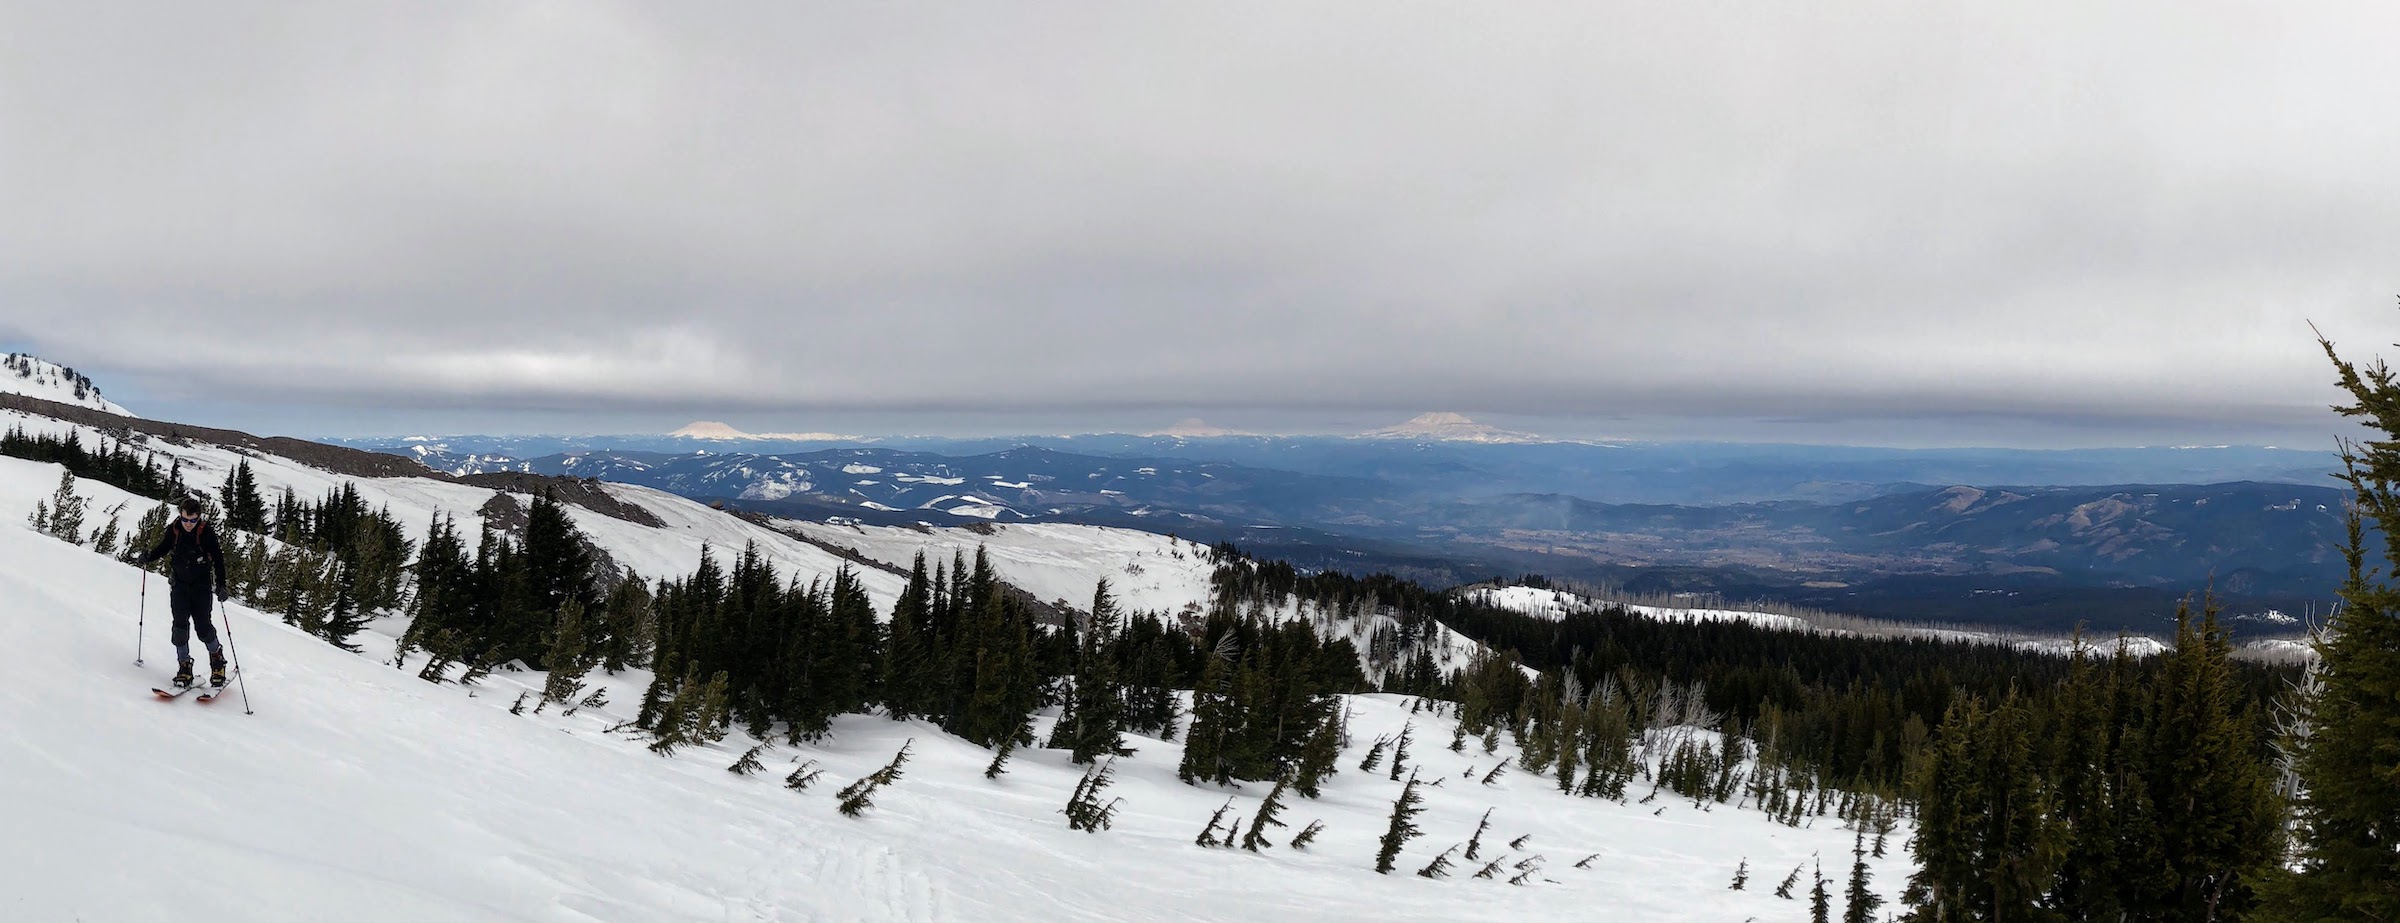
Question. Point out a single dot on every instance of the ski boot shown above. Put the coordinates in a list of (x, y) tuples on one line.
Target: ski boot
[(216, 669), (183, 674)]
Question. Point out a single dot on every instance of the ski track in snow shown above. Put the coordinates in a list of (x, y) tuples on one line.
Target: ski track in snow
[(360, 792)]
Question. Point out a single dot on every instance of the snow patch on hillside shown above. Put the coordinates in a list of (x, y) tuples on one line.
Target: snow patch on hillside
[(37, 378), (1057, 563), (1557, 604)]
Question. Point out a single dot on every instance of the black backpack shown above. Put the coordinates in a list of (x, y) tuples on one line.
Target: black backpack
[(187, 557)]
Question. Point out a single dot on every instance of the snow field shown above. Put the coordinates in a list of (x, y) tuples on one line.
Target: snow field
[(359, 791)]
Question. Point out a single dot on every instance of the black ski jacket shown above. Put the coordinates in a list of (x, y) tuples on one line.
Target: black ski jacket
[(192, 554)]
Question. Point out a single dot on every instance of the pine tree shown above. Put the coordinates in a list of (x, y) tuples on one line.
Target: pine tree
[(1256, 839), (1784, 890), (1439, 867), (1408, 732), (2215, 805), (1084, 810), (1475, 843), (566, 660), (803, 776), (1208, 834), (1860, 899), (1820, 904), (2349, 807), (749, 763), (1007, 749), (1741, 874), (1402, 828), (858, 796), (1212, 716), (1093, 722), (1321, 759), (64, 519), (245, 509), (1307, 835), (104, 541)]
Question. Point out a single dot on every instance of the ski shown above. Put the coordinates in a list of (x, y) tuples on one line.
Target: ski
[(169, 695), (211, 693)]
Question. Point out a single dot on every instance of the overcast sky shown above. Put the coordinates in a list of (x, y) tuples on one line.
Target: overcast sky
[(1904, 222)]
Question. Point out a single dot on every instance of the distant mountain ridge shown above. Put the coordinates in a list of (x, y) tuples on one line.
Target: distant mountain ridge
[(1449, 427)]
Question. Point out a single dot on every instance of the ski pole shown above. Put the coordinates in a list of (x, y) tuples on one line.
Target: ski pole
[(226, 616), (141, 624)]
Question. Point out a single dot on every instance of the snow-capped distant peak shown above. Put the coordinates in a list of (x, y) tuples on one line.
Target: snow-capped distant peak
[(1449, 427), (714, 430), (49, 381)]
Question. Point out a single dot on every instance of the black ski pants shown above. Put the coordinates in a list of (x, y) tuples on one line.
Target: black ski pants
[(191, 602)]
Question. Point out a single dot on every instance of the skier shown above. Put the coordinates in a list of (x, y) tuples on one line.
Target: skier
[(193, 552)]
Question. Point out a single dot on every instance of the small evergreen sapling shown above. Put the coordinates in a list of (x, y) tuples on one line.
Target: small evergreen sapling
[(1741, 875), (803, 776), (1008, 748), (1408, 732), (858, 796), (1492, 868), (1374, 754), (1307, 834), (1498, 769), (1526, 869), (1440, 866), (1784, 890), (1820, 904), (1256, 839), (1084, 810), (1519, 843), (1587, 861), (1403, 826), (1475, 843), (1208, 835), (749, 763)]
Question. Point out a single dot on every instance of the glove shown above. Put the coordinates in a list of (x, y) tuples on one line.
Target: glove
[(222, 595)]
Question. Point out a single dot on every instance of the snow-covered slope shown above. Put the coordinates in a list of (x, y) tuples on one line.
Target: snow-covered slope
[(671, 550), (49, 381), (1557, 604), (1057, 563), (1147, 572), (359, 792)]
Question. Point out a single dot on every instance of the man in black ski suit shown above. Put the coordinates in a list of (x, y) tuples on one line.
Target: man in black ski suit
[(193, 556)]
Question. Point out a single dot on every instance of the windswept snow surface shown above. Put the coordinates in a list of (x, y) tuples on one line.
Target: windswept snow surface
[(360, 792)]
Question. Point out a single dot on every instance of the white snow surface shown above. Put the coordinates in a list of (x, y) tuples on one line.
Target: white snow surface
[(1556, 604), (39, 378), (359, 792), (1055, 562)]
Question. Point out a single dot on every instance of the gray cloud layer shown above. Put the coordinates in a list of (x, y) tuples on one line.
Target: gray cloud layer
[(2067, 211)]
